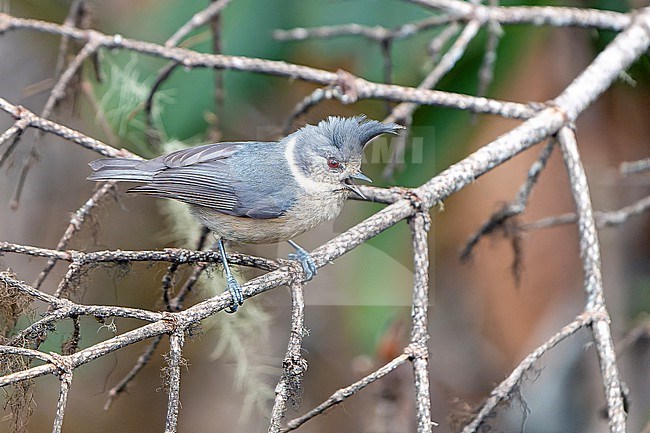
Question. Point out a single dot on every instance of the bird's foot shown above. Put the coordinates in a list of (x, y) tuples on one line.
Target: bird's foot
[(305, 260), (235, 291)]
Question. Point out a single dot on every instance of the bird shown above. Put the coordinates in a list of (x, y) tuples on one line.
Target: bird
[(259, 192)]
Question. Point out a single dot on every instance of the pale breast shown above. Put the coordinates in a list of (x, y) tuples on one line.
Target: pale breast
[(309, 212)]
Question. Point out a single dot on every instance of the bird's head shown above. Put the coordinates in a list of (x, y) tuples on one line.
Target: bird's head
[(327, 157)]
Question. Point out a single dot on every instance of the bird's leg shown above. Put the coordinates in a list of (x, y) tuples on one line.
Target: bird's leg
[(305, 260), (232, 285)]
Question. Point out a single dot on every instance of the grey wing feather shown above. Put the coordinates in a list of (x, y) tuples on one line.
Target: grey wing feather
[(203, 184), (200, 176), (195, 155), (118, 169), (254, 203)]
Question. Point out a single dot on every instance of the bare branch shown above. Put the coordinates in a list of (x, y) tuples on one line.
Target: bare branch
[(65, 377), (375, 33), (343, 393), (486, 73), (72, 20), (21, 351), (512, 209), (57, 94), (142, 361), (586, 88), (14, 133), (404, 111), (504, 389), (449, 181), (628, 168), (438, 43), (309, 101), (294, 365), (448, 61), (172, 255), (593, 281), (66, 308), (599, 75), (351, 88), (536, 15), (173, 380), (209, 14), (34, 121), (603, 218), (198, 19), (76, 222), (420, 224)]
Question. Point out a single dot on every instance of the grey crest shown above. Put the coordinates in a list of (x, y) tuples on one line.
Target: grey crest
[(348, 134)]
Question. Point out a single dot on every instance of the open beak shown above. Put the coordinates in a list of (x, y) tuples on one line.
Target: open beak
[(352, 187)]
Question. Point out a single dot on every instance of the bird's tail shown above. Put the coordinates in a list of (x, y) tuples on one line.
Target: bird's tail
[(120, 169)]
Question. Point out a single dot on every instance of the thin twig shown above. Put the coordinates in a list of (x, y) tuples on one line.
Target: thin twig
[(447, 62), (438, 43), (309, 101), (593, 281), (375, 33), (512, 209), (70, 279), (59, 91), (57, 94), (381, 35), (294, 365), (404, 111), (163, 74), (176, 303), (198, 19), (13, 133), (343, 393), (536, 15), (172, 255), (486, 72), (420, 224), (71, 20), (634, 167), (167, 283), (34, 121), (67, 308), (142, 362), (603, 218), (210, 13), (173, 379), (66, 382), (502, 391), (76, 223), (351, 88)]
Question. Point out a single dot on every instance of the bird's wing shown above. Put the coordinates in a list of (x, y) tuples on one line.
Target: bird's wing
[(202, 184), (206, 176), (201, 154)]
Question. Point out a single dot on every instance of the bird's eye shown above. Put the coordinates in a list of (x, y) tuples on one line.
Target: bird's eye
[(333, 163)]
